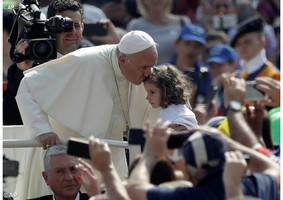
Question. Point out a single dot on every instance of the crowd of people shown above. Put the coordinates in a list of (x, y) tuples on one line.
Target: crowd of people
[(167, 66)]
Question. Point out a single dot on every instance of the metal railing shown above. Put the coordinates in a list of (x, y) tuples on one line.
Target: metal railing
[(134, 150), (23, 143)]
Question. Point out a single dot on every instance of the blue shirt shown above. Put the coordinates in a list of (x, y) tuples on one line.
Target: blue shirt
[(262, 186), (208, 189), (201, 77)]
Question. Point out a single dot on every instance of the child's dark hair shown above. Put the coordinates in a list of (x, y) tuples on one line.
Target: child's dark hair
[(175, 87)]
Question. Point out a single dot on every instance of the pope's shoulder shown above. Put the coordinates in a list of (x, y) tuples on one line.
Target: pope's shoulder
[(95, 50)]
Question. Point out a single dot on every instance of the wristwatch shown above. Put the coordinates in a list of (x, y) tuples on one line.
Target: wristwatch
[(234, 106)]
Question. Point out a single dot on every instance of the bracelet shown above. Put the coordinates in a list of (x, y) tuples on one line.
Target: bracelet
[(261, 149), (256, 146), (264, 151)]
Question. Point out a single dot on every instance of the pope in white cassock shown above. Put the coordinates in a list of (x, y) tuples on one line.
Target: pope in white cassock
[(92, 91)]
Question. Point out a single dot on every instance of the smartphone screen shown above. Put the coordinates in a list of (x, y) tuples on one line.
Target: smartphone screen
[(253, 94), (95, 29)]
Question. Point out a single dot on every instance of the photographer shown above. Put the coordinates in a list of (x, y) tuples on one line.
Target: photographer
[(66, 42)]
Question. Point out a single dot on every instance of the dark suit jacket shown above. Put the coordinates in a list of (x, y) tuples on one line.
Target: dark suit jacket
[(83, 196)]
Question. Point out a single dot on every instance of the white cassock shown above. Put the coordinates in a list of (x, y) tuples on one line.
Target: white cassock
[(78, 94)]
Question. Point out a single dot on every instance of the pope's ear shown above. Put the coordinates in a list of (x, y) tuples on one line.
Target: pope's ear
[(122, 60)]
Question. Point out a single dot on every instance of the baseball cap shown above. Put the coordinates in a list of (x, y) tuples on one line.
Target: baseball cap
[(192, 32), (252, 24), (204, 150), (135, 41), (222, 54)]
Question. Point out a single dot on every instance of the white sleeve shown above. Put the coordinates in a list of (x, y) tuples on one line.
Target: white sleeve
[(35, 120)]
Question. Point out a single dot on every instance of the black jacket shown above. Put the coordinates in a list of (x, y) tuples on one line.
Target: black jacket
[(11, 114), (83, 196)]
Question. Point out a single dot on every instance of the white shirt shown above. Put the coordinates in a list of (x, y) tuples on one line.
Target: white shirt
[(255, 63), (77, 197), (179, 114)]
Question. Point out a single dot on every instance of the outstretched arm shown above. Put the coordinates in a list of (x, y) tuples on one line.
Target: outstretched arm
[(34, 118), (100, 154), (234, 90), (155, 149), (234, 169)]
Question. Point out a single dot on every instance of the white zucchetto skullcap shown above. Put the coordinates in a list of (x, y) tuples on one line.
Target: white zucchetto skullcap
[(134, 42)]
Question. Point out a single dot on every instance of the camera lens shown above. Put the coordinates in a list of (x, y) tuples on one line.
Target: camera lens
[(42, 49)]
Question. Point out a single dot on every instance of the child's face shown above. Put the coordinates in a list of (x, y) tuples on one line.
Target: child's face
[(153, 94)]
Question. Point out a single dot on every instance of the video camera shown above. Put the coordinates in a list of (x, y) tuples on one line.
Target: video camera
[(32, 25)]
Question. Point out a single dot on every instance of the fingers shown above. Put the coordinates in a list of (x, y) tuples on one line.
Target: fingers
[(267, 81), (267, 84), (86, 171), (97, 147), (225, 81), (97, 143), (85, 165), (21, 47), (87, 178), (235, 157), (48, 139)]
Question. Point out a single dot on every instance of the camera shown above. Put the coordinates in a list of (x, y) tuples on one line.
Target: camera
[(252, 93), (31, 24)]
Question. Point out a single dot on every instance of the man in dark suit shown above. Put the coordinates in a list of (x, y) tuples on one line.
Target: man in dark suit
[(50, 197), (60, 174)]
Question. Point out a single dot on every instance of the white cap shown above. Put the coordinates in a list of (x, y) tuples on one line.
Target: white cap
[(134, 42)]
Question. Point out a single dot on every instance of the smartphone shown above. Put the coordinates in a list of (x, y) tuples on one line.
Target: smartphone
[(78, 147), (97, 29), (253, 94), (175, 140), (211, 94)]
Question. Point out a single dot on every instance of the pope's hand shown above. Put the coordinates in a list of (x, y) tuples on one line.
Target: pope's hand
[(48, 139)]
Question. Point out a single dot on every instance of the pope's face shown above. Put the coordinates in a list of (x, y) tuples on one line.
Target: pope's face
[(136, 67), (61, 176), (69, 41)]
